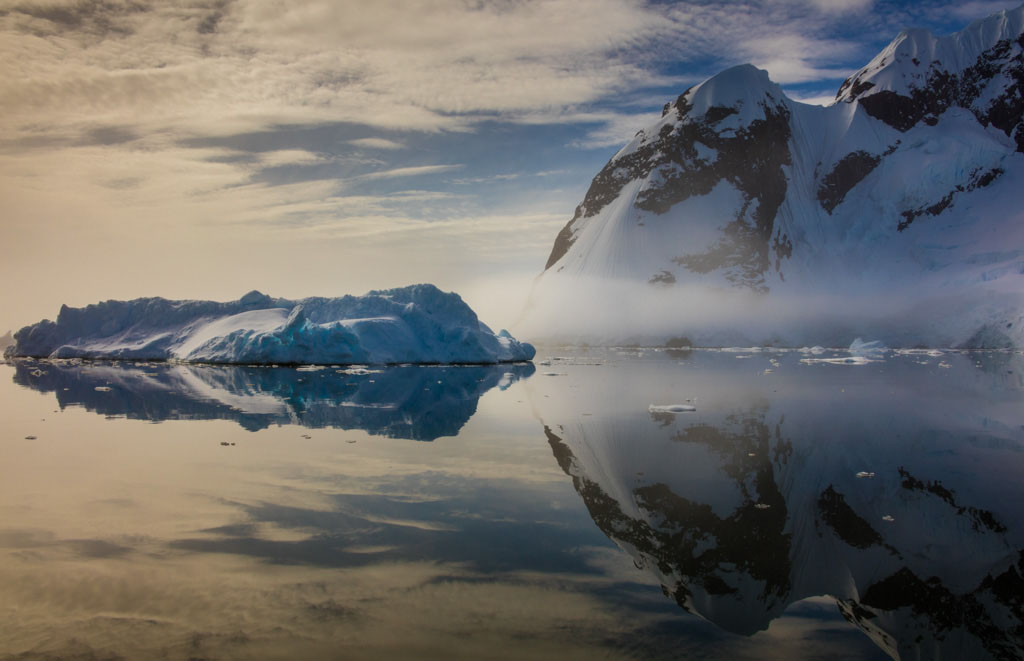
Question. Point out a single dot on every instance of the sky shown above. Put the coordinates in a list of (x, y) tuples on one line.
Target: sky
[(205, 148)]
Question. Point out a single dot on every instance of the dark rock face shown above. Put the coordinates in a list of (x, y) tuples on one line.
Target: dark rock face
[(942, 90), (847, 524), (847, 173), (978, 179)]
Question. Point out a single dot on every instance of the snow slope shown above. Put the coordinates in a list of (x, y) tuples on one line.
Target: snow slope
[(415, 324), (742, 216)]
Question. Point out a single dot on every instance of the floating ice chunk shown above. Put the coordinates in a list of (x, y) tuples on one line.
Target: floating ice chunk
[(943, 364), (888, 518), (849, 360), (919, 352), (357, 370), (815, 350), (103, 388), (671, 408), (865, 474), (762, 506), (861, 348)]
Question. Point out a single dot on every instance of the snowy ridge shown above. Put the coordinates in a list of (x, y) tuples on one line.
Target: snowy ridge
[(415, 324), (892, 214)]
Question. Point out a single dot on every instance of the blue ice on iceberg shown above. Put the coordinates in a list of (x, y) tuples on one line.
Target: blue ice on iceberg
[(414, 324)]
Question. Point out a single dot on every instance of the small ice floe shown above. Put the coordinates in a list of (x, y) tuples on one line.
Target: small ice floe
[(848, 360), (310, 368), (762, 506), (888, 518), (356, 370), (671, 408), (768, 371), (102, 388), (865, 474), (943, 364), (861, 348), (815, 350)]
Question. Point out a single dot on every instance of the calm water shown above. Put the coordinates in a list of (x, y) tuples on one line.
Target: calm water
[(801, 510)]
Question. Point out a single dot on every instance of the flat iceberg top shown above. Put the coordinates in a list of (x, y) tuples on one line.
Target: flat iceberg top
[(414, 324)]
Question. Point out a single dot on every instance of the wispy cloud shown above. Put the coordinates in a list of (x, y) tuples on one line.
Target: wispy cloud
[(415, 171), (376, 143)]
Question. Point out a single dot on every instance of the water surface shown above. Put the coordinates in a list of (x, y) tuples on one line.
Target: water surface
[(801, 509)]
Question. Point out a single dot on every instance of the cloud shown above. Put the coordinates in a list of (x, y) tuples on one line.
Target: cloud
[(842, 6), (376, 143), (415, 171), (979, 8)]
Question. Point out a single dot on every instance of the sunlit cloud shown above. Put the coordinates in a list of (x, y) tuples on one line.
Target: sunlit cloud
[(376, 143)]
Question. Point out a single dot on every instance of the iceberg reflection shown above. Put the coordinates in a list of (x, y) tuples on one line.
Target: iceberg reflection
[(892, 487), (413, 402)]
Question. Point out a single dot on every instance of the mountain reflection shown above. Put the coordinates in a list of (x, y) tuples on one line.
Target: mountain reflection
[(894, 488), (413, 402)]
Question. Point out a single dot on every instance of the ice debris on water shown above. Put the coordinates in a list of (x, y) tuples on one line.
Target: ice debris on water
[(762, 506), (102, 388), (671, 408), (888, 518), (861, 348), (848, 360), (865, 474)]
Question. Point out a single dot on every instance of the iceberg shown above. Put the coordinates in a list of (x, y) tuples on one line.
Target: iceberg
[(416, 324)]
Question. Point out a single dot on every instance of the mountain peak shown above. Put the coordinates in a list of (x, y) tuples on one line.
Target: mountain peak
[(740, 93), (917, 59)]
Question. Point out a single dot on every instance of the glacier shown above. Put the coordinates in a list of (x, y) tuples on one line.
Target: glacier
[(416, 324), (743, 217)]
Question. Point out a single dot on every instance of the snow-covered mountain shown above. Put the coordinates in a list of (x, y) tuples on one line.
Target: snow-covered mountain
[(415, 324), (742, 215)]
